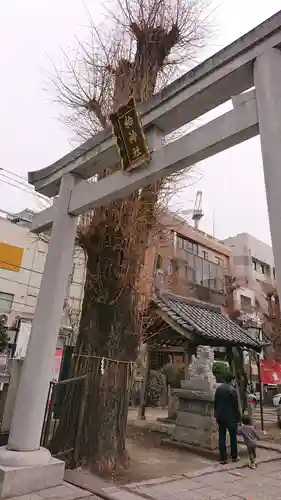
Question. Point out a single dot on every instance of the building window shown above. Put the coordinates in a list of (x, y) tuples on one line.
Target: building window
[(246, 303), (170, 268), (180, 242), (6, 302), (205, 255), (262, 268), (267, 270), (195, 248), (254, 263), (187, 245), (158, 262), (219, 261)]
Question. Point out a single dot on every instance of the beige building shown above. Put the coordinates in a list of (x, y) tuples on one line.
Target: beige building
[(22, 260), (254, 270)]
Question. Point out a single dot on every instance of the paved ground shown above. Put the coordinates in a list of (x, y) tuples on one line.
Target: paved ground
[(232, 484), (154, 413), (64, 492), (216, 482), (269, 415)]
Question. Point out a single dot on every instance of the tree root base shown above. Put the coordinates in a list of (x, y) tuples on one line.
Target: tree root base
[(110, 465)]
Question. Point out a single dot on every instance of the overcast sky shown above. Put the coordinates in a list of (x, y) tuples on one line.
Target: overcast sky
[(33, 32)]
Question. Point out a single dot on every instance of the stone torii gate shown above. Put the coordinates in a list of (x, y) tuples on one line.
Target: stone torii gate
[(254, 60)]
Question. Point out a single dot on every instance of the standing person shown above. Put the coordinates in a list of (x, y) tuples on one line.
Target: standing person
[(227, 415), (250, 437)]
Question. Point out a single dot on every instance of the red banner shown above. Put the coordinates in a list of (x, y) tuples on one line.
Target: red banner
[(57, 364), (270, 372)]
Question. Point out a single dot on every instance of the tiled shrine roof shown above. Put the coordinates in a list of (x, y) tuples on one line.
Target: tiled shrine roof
[(202, 320)]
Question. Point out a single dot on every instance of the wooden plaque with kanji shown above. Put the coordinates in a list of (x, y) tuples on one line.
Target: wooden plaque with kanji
[(128, 131)]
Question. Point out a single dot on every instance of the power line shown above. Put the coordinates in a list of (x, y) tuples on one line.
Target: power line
[(19, 185), (25, 181), (19, 267), (14, 173), (18, 282), (29, 270), (14, 302), (20, 182), (18, 312)]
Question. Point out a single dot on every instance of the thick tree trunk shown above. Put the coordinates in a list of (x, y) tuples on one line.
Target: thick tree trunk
[(103, 437), (107, 344), (115, 244), (104, 429)]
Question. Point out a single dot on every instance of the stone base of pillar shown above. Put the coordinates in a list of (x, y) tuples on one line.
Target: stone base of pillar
[(26, 472)]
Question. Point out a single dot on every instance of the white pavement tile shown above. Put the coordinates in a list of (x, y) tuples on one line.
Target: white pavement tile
[(205, 493), (158, 480), (233, 498), (30, 496), (64, 492), (268, 493), (217, 478), (171, 488), (79, 491), (274, 475), (266, 467), (125, 495)]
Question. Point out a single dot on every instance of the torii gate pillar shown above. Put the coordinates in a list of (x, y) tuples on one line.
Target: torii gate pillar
[(24, 466), (267, 78)]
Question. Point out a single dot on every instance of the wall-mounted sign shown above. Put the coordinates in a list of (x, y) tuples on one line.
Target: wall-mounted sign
[(129, 135), (10, 257), (270, 372)]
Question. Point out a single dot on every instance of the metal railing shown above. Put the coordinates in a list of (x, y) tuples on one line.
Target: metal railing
[(65, 395)]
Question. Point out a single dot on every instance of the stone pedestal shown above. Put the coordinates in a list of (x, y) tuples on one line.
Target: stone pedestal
[(173, 405), (196, 425), (26, 472)]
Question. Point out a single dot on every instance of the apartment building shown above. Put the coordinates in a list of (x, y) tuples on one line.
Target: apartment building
[(22, 260), (187, 261), (254, 270)]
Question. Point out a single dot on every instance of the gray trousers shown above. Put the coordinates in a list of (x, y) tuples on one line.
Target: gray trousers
[(252, 454)]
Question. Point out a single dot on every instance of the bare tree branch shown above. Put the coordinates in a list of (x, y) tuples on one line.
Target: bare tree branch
[(144, 45)]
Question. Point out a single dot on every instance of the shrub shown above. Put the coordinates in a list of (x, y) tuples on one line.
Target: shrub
[(156, 385), (219, 369), (174, 374)]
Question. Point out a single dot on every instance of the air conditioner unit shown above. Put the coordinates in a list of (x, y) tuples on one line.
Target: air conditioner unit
[(3, 319)]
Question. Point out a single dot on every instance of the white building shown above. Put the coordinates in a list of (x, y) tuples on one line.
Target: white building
[(254, 271), (22, 260)]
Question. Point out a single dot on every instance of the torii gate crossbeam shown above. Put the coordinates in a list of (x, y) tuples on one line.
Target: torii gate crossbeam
[(253, 60), (221, 133)]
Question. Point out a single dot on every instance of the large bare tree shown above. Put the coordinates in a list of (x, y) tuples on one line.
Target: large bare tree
[(141, 46)]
